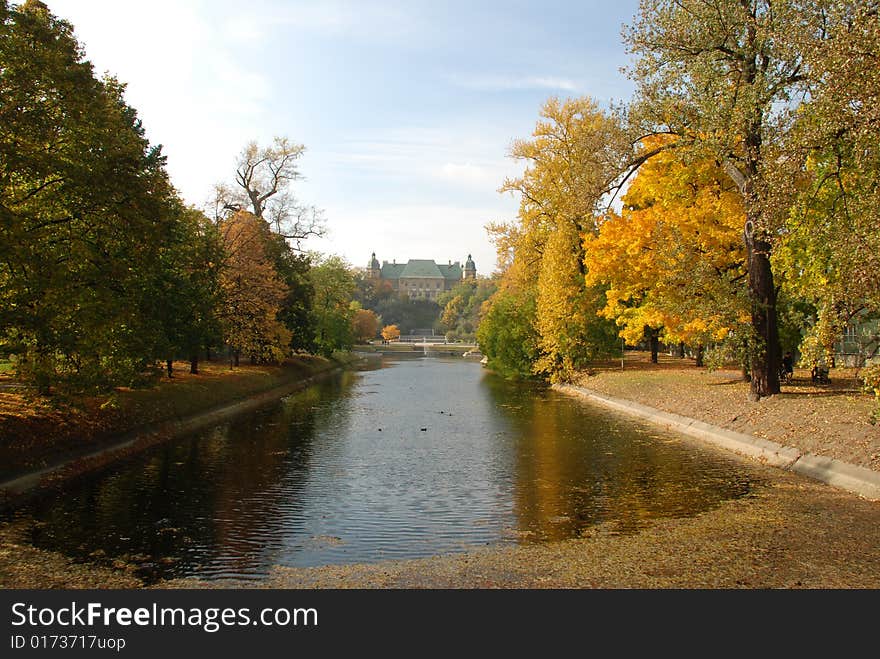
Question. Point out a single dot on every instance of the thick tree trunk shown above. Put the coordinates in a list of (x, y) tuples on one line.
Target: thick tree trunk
[(765, 357), (194, 364), (699, 356), (169, 365)]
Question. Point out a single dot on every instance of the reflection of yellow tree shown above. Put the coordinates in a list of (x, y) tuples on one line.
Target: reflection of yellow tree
[(673, 258), (576, 468), (541, 493)]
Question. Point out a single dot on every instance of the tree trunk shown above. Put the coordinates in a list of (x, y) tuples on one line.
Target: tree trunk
[(699, 356), (235, 355), (681, 350), (655, 344), (194, 364), (169, 364), (765, 357), (41, 369)]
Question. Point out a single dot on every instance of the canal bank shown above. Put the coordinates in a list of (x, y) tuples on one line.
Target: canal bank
[(99, 435), (831, 419), (847, 476)]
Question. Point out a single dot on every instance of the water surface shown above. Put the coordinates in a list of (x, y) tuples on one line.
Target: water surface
[(417, 457)]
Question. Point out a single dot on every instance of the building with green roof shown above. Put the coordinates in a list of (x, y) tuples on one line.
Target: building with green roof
[(421, 278)]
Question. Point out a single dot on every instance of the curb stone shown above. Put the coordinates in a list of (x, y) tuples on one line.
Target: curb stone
[(844, 475)]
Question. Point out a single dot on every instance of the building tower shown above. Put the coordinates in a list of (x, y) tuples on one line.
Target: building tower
[(470, 268), (373, 270)]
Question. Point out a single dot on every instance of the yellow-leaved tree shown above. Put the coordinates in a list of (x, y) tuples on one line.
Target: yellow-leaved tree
[(391, 332), (570, 159), (673, 258)]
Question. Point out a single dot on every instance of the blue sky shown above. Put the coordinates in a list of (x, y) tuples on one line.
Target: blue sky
[(407, 109)]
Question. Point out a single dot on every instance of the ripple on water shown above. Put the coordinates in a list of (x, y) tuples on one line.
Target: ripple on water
[(312, 480)]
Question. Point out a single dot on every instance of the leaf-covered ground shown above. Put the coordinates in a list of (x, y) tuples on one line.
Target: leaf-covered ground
[(832, 420)]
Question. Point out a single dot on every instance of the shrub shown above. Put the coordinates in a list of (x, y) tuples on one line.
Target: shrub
[(871, 379)]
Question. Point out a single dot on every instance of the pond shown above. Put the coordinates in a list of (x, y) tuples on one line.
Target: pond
[(408, 458)]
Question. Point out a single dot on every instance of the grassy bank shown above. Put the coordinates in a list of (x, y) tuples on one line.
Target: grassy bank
[(37, 432), (831, 419)]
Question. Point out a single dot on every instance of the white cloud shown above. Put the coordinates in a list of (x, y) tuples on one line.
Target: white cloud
[(513, 83), (194, 87), (469, 174)]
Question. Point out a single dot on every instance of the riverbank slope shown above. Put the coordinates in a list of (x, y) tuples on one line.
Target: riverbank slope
[(38, 434), (831, 420)]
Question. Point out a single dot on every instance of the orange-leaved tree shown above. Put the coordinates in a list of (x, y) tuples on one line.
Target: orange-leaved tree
[(365, 324), (252, 292)]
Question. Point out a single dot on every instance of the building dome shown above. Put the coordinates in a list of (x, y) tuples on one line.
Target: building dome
[(470, 268)]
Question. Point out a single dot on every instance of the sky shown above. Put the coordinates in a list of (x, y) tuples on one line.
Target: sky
[(407, 110)]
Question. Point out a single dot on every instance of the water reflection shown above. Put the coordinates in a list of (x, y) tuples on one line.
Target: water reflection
[(418, 457), (576, 469)]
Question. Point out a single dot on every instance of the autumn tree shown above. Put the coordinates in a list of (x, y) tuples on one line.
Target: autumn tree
[(252, 292), (462, 307), (365, 325), (333, 285), (263, 184), (507, 335), (390, 333), (372, 292), (87, 210), (295, 310), (187, 296), (726, 79), (673, 258), (569, 162), (830, 251)]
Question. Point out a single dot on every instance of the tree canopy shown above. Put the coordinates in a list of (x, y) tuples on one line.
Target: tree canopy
[(750, 152)]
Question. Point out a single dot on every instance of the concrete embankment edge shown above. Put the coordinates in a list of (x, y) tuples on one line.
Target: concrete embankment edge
[(143, 438), (844, 475)]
